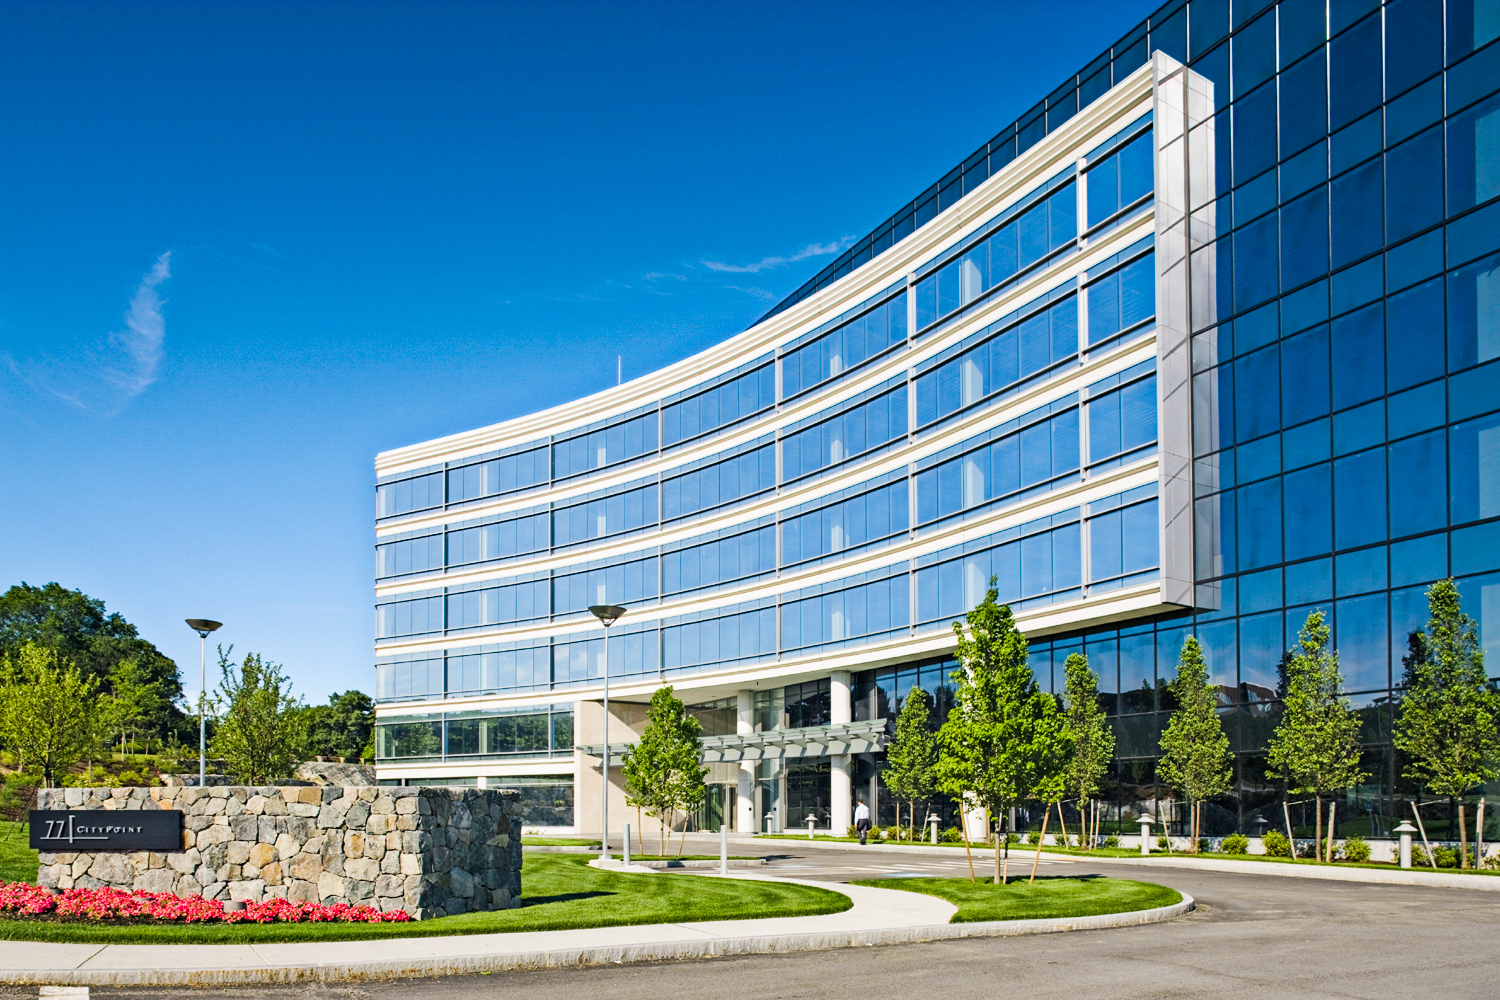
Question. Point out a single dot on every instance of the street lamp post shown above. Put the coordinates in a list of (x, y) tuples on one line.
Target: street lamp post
[(607, 614), (202, 626)]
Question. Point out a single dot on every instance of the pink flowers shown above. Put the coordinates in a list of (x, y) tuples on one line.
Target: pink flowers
[(114, 904)]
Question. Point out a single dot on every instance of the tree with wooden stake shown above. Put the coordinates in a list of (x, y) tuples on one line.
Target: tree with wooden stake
[(1004, 742), (663, 770), (1448, 712), (912, 756), (1093, 738), (1316, 743), (1195, 751)]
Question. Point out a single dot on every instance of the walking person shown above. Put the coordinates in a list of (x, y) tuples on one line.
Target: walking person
[(862, 820)]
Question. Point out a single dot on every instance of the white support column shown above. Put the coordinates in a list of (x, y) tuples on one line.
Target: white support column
[(841, 774), (744, 793)]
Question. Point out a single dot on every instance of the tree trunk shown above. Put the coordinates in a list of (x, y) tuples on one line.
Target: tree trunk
[(681, 836), (640, 832), (997, 876), (1317, 823), (1063, 823), (963, 828), (1039, 841), (1332, 813), (1463, 838)]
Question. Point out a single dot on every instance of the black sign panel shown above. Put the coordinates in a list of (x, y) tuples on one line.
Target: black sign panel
[(91, 830)]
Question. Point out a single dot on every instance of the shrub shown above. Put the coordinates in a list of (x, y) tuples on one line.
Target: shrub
[(1276, 844), (951, 836), (1163, 844), (1011, 839), (1235, 843), (1356, 849), (1034, 837), (1202, 845), (1112, 841), (1446, 857)]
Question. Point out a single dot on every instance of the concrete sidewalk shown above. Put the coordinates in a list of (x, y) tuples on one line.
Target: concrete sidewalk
[(878, 916)]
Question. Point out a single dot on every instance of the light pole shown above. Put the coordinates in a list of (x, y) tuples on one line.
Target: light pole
[(607, 614), (202, 626)]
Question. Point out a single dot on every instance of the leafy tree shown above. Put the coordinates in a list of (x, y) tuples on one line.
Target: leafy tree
[(1093, 738), (1316, 743), (84, 633), (1448, 714), (48, 715), (911, 758), (1195, 751), (1004, 742), (343, 727), (140, 701), (262, 732), (662, 770)]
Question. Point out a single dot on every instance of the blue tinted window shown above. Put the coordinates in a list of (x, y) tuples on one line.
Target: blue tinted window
[(1309, 513), (1357, 214), (1257, 401), (1354, 72), (1414, 334), (1474, 314), (722, 560), (1122, 300), (1254, 133), (608, 515), (1255, 263), (1259, 547), (1474, 449), (595, 449), (622, 583), (413, 555), (1123, 542), (1302, 29), (1359, 498), (720, 483), (515, 536), (1304, 239), (1122, 421), (1254, 54), (846, 347), (865, 610), (1017, 352), (1359, 356), (1418, 465), (498, 475), (1414, 185), (1304, 103), (417, 493), (1474, 156), (853, 432), (501, 605), (1363, 643), (720, 406), (1120, 180), (1036, 454), (1414, 43), (846, 524)]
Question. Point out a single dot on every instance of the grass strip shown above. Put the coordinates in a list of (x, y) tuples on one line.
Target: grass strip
[(560, 892), (18, 862), (1052, 896)]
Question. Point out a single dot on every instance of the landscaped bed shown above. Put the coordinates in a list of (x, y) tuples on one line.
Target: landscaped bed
[(1060, 896), (559, 892)]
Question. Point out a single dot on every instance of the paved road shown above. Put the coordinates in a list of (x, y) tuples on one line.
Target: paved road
[(1253, 936)]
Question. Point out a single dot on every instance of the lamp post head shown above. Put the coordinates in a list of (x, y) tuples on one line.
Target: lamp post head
[(607, 614), (203, 626)]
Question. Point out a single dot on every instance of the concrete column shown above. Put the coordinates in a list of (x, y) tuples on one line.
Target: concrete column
[(744, 724), (841, 797)]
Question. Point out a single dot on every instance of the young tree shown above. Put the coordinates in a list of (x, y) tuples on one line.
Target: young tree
[(662, 771), (47, 712), (913, 754), (140, 701), (1195, 751), (1316, 743), (1448, 714), (1093, 738), (1005, 742), (343, 727), (262, 732)]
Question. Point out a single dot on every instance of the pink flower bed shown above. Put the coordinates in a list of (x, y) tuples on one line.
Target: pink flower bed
[(25, 899)]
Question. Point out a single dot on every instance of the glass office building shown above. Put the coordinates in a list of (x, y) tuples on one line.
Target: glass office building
[(1205, 341)]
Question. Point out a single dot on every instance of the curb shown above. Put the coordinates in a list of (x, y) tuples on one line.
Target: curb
[(1372, 876), (608, 955)]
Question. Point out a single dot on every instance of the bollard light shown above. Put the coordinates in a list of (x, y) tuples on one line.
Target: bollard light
[(1146, 822), (1405, 830)]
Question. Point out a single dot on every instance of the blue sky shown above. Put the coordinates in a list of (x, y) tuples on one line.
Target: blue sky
[(244, 247)]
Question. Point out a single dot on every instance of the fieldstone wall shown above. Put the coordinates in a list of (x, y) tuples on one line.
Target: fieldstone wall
[(429, 851)]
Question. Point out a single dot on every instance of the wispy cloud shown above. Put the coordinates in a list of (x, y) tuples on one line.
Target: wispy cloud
[(120, 367), (766, 263), (756, 293)]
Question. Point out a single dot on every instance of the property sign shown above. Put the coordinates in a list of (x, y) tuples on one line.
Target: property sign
[(91, 830)]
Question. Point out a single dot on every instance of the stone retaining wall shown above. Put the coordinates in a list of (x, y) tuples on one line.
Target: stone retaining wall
[(429, 851)]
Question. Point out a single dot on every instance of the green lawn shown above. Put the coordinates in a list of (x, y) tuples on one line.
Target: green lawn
[(558, 842), (17, 860), (1082, 896), (559, 892)]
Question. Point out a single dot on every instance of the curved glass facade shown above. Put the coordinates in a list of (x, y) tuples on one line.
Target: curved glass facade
[(1206, 341)]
